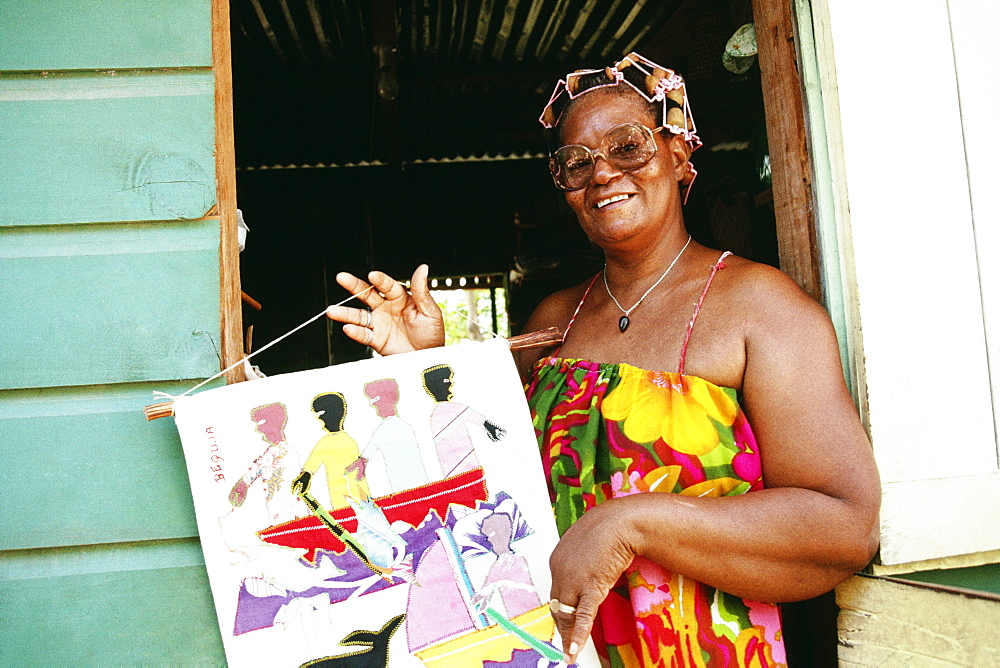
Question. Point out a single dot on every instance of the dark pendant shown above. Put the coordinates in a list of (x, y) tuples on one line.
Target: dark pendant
[(623, 323)]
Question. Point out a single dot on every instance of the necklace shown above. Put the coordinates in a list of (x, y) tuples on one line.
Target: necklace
[(623, 321)]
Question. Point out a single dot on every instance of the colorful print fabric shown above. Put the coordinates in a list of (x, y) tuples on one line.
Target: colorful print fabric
[(609, 430)]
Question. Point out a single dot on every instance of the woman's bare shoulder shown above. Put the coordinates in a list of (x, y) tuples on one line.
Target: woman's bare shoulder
[(764, 293), (785, 330), (556, 310)]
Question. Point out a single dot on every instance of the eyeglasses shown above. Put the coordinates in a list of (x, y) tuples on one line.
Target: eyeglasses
[(626, 147)]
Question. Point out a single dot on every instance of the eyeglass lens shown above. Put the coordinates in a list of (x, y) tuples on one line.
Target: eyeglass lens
[(626, 147)]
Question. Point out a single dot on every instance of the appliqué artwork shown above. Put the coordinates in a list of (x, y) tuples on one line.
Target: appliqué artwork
[(390, 512)]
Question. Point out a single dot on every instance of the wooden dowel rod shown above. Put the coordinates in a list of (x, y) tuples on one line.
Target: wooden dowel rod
[(250, 301), (539, 339), (162, 409)]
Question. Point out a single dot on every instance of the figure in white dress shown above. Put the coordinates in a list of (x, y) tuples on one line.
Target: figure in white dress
[(393, 445)]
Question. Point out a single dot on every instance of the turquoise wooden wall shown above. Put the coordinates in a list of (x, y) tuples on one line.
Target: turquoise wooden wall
[(109, 289)]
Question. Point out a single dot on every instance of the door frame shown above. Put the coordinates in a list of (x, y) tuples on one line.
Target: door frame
[(230, 294)]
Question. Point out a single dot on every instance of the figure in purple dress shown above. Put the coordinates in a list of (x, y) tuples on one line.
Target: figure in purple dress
[(509, 577)]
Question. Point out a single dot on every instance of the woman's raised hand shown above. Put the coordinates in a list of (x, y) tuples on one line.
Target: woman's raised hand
[(399, 321)]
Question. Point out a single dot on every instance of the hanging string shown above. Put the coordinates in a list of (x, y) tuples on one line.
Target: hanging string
[(454, 309), (164, 395)]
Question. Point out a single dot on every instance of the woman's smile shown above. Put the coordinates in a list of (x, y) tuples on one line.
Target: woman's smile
[(611, 200)]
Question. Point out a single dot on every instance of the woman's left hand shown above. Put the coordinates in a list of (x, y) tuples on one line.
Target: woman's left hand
[(585, 565)]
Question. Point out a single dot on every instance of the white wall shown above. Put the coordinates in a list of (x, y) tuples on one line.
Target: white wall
[(916, 85)]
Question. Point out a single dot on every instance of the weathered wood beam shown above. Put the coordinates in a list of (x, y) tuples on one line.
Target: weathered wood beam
[(784, 113), (231, 314), (892, 622)]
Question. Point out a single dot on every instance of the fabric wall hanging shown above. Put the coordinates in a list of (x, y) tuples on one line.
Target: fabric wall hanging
[(384, 512)]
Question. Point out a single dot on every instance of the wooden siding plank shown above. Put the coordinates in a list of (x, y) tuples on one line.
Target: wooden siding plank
[(108, 148), (79, 560), (929, 519), (107, 609), (791, 175), (950, 562), (929, 402), (44, 35), (108, 303), (884, 623), (84, 467)]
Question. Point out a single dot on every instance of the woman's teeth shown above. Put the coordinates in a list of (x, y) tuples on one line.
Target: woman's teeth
[(617, 198)]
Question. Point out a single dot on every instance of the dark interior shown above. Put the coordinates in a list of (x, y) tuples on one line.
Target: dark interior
[(378, 135), (385, 133)]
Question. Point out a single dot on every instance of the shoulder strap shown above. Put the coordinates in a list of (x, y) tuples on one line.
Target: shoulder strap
[(569, 324), (719, 264)]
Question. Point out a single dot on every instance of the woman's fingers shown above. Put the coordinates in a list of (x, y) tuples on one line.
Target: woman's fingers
[(350, 282), (401, 322), (421, 292), (350, 316), (575, 627), (359, 289), (583, 623), (391, 289), (565, 622), (360, 334), (585, 564)]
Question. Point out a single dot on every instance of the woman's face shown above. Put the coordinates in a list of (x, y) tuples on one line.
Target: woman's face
[(618, 206)]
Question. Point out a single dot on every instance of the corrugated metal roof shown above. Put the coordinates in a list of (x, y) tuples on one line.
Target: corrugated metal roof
[(453, 33), (346, 81)]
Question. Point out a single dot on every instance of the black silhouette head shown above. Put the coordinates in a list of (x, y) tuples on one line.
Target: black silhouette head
[(438, 380), (331, 409)]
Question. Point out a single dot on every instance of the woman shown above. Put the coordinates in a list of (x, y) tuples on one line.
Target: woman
[(642, 396)]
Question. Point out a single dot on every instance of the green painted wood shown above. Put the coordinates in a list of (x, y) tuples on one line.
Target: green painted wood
[(92, 34), (98, 136), (106, 148), (108, 303), (142, 604), (980, 578), (86, 559), (83, 466)]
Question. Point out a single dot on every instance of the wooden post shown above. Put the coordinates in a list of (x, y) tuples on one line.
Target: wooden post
[(784, 114), (231, 316)]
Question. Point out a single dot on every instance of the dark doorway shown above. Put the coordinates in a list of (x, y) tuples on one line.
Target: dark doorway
[(381, 135)]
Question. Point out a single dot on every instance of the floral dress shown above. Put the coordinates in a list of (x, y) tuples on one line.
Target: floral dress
[(610, 430)]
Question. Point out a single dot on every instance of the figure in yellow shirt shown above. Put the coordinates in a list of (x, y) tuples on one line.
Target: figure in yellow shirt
[(338, 452)]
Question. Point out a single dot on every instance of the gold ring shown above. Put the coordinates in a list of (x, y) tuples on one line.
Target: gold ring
[(555, 605)]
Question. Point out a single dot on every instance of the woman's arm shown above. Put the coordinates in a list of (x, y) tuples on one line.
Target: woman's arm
[(814, 525)]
